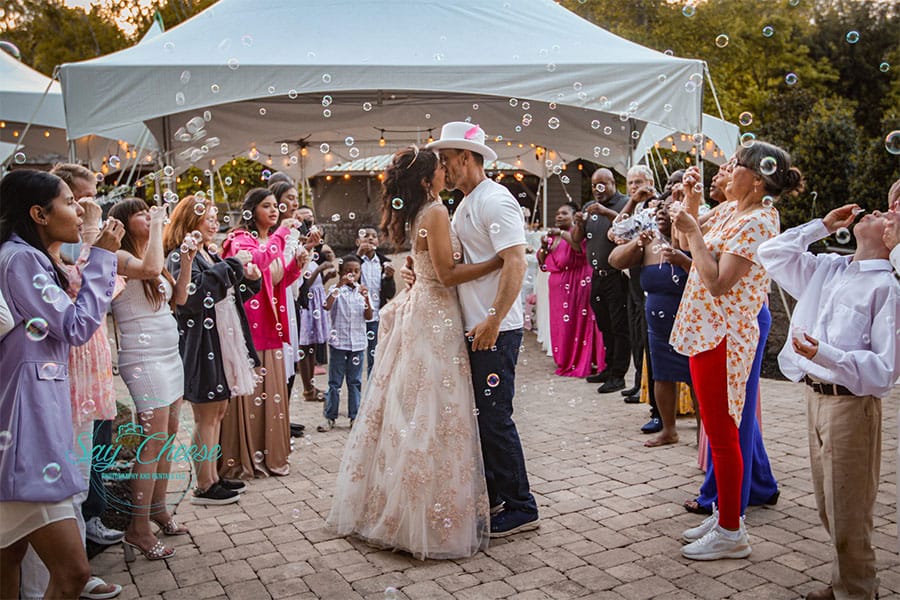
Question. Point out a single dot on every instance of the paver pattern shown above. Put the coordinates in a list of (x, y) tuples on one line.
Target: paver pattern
[(610, 510)]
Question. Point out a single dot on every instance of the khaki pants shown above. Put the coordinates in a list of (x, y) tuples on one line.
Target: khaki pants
[(845, 456)]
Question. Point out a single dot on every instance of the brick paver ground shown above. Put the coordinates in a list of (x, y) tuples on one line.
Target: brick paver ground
[(610, 510)]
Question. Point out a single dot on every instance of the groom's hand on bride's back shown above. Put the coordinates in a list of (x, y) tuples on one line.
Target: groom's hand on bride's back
[(407, 272)]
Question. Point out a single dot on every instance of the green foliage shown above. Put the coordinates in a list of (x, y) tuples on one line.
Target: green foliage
[(232, 181), (833, 120), (827, 146), (49, 33)]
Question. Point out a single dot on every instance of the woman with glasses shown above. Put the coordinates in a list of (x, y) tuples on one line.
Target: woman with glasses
[(717, 327)]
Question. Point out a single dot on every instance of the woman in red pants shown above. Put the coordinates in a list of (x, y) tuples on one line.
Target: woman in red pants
[(716, 325)]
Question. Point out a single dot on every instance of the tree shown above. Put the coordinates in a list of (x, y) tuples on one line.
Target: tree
[(825, 149), (49, 33)]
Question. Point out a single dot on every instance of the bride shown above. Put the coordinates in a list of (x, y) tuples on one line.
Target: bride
[(412, 477)]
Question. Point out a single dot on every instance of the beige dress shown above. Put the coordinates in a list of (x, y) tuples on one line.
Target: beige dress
[(412, 476)]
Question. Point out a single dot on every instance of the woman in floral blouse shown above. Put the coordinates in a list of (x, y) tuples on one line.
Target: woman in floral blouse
[(716, 325)]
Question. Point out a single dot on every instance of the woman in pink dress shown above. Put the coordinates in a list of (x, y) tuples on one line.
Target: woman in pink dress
[(574, 337)]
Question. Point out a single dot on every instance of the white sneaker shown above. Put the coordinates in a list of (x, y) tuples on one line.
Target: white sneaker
[(717, 544), (97, 532), (695, 533)]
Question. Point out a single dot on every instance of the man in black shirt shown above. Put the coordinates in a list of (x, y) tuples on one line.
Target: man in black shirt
[(609, 287)]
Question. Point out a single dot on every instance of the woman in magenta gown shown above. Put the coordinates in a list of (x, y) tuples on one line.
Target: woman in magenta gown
[(574, 337)]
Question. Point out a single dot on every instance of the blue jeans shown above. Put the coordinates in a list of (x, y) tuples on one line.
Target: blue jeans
[(343, 363), (758, 484), (504, 462), (373, 340)]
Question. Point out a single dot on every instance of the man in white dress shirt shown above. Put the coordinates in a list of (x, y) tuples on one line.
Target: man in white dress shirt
[(844, 346)]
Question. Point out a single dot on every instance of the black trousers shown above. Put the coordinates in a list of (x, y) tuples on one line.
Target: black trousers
[(637, 330), (609, 291)]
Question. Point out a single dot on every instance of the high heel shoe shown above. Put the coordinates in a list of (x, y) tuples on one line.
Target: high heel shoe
[(171, 527), (157, 552)]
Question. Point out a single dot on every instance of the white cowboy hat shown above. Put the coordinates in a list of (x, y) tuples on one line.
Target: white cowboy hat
[(463, 136)]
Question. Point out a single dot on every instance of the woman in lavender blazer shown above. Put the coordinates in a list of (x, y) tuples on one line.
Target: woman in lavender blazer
[(37, 476)]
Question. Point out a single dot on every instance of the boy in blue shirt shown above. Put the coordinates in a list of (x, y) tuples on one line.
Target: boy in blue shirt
[(349, 306)]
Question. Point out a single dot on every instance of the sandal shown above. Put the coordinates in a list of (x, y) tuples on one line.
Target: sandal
[(94, 583), (157, 552), (171, 527), (692, 506)]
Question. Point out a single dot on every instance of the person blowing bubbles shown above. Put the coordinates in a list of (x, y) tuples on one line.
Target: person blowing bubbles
[(349, 306)]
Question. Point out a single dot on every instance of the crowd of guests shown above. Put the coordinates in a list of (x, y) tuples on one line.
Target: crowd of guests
[(228, 329), (689, 295), (225, 329)]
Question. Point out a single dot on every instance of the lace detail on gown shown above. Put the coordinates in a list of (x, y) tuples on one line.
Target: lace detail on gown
[(412, 476)]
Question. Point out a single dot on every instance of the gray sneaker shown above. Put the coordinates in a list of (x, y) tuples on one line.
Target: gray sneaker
[(715, 545), (328, 425), (97, 532)]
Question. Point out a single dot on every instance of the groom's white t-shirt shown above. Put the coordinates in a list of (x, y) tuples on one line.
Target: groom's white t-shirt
[(488, 221)]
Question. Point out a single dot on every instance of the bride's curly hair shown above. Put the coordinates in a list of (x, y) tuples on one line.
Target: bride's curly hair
[(405, 189)]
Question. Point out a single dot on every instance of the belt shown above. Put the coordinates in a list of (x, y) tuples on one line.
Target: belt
[(827, 389)]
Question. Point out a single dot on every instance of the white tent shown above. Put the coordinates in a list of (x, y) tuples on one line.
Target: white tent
[(27, 96), (292, 82), (719, 143)]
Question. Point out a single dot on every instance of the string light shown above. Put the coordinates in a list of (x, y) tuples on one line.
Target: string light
[(381, 141), (430, 136)]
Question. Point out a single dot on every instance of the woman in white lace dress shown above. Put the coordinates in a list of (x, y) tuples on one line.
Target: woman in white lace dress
[(412, 477)]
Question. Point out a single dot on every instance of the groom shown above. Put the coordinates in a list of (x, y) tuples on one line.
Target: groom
[(489, 222)]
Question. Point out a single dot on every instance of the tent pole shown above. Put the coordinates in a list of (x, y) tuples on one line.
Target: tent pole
[(212, 186), (72, 157), (712, 88), (30, 121), (137, 157), (544, 195)]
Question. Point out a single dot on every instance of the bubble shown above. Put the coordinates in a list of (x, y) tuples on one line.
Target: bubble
[(748, 139), (493, 380), (852, 37), (262, 112), (768, 165), (494, 228), (19, 158), (884, 67), (354, 152), (208, 323), (842, 235), (745, 118), (51, 294), (258, 456), (214, 88), (169, 47), (390, 593), (768, 201), (144, 339), (6, 440), (722, 40), (335, 218), (892, 142), (397, 203), (791, 78), (526, 105), (52, 472), (208, 302), (37, 329), (40, 281), (234, 64), (690, 87), (191, 288), (553, 123), (324, 148), (326, 78), (253, 154), (688, 10), (768, 31)]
